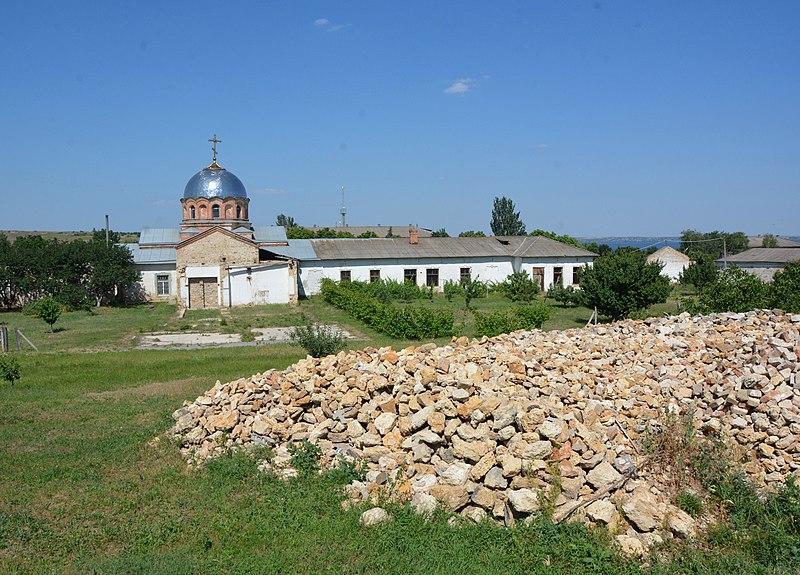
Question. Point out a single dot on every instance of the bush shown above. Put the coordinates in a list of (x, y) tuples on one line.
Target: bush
[(451, 289), (784, 292), (9, 368), (735, 290), (404, 322), (623, 282), (518, 317), (565, 295), (48, 310), (519, 286), (318, 340)]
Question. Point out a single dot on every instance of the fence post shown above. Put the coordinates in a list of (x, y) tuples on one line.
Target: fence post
[(4, 339)]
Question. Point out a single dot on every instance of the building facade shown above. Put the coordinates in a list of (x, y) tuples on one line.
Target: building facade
[(217, 258)]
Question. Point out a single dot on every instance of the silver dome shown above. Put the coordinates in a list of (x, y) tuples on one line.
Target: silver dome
[(214, 183)]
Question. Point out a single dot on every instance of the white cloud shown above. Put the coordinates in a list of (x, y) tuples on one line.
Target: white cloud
[(329, 26), (460, 86), (542, 146)]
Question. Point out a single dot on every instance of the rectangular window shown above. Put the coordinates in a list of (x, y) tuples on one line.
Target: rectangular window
[(538, 277), (410, 276), (466, 274), (558, 276), (374, 276), (344, 276), (432, 277), (162, 285), (576, 276)]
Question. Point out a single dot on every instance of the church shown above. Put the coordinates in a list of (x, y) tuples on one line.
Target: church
[(217, 258)]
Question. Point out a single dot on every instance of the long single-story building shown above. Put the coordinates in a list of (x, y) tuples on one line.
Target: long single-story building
[(217, 258), (761, 262)]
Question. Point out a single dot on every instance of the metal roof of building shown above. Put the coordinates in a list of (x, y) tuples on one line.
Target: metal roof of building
[(151, 255), (764, 255), (156, 236), (400, 248), (269, 234), (297, 250)]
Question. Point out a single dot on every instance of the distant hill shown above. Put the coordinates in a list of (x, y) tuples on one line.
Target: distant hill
[(126, 237)]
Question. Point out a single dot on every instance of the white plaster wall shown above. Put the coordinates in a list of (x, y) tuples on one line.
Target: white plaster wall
[(263, 285), (148, 280), (766, 271), (568, 266), (486, 269)]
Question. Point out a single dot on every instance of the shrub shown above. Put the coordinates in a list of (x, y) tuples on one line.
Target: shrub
[(9, 368), (305, 457), (451, 289), (403, 322), (784, 292), (48, 310), (519, 286), (565, 295), (472, 288), (318, 340), (735, 290), (689, 502), (518, 317)]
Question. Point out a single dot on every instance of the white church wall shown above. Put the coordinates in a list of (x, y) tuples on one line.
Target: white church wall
[(258, 285), (149, 280)]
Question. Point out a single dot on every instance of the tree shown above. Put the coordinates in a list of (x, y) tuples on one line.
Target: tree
[(623, 282), (390, 233), (563, 238), (784, 292), (700, 273), (111, 272), (9, 368), (285, 221), (440, 233), (735, 290), (48, 310), (505, 221), (599, 249), (472, 288), (519, 286), (713, 244), (368, 234), (769, 241), (472, 234)]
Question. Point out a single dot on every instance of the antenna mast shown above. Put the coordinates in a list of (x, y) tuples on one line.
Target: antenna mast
[(343, 210)]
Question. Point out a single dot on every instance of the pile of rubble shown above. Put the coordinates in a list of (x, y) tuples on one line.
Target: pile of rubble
[(499, 428)]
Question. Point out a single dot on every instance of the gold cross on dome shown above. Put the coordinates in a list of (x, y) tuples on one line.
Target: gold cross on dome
[(214, 147)]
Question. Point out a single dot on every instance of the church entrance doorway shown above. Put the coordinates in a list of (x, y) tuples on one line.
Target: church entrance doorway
[(203, 293)]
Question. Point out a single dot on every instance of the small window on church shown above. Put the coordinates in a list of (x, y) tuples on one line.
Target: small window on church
[(238, 212), (215, 211), (162, 283), (193, 212)]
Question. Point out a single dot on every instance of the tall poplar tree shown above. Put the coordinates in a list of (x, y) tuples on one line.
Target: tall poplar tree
[(505, 221)]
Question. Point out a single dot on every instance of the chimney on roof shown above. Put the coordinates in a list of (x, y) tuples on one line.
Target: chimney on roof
[(413, 235)]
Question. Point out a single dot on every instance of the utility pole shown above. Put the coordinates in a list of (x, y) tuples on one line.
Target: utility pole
[(106, 230), (343, 210)]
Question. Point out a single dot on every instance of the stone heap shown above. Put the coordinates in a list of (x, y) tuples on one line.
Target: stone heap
[(500, 427)]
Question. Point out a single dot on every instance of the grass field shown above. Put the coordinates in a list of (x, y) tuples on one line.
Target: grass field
[(90, 483)]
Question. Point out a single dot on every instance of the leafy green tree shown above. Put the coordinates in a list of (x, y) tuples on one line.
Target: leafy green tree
[(713, 244), (285, 221), (48, 310), (769, 241), (440, 233), (700, 273), (472, 234), (505, 221), (9, 368), (368, 234), (599, 249), (299, 233), (519, 286), (784, 292), (563, 238), (111, 273), (472, 288), (100, 236), (623, 282), (390, 233), (735, 290)]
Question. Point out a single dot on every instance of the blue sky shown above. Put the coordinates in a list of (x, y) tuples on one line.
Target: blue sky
[(595, 118)]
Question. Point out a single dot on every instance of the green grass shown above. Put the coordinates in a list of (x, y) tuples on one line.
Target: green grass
[(89, 483)]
